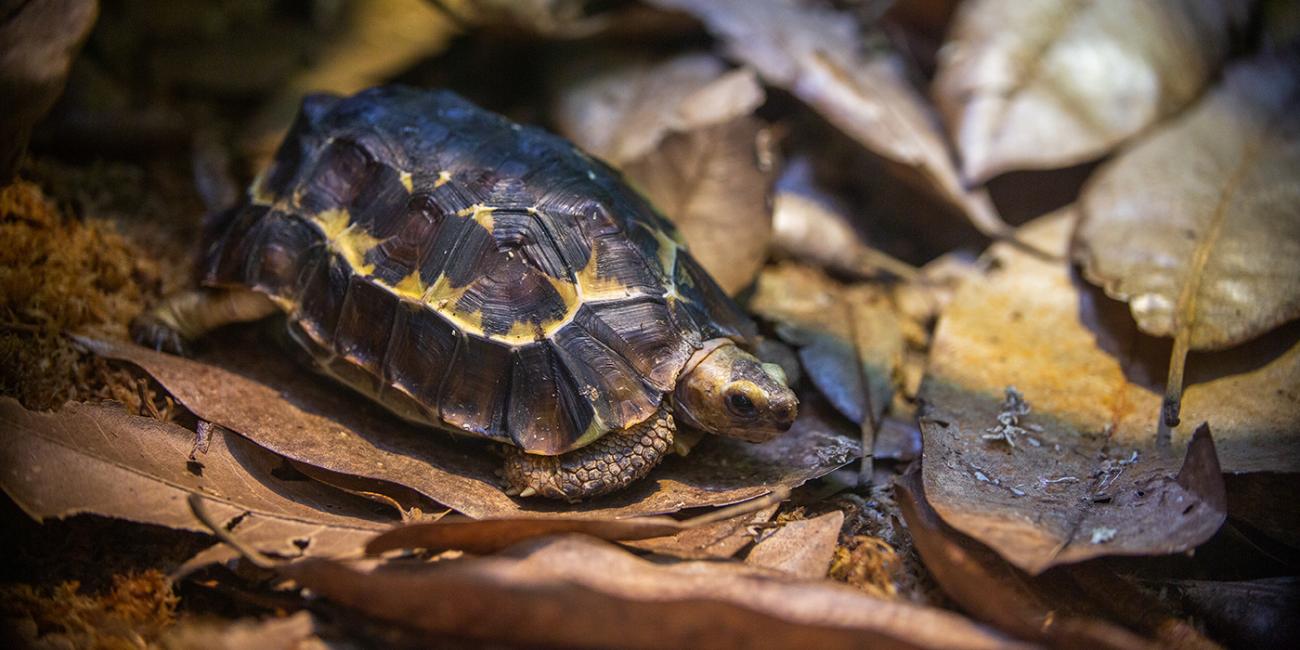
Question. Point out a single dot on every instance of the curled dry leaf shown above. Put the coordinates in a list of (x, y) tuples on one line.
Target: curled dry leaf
[(1198, 225), (802, 548), (100, 460), (252, 388), (1050, 84), (578, 591), (716, 541), (486, 536), (38, 41), (621, 110), (819, 55), (1085, 476), (1058, 607), (848, 336)]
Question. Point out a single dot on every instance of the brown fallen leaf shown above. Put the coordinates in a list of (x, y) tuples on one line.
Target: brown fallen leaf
[(802, 548), (622, 109), (485, 536), (100, 460), (1197, 227), (1056, 83), (1052, 608), (710, 183), (38, 41), (577, 591), (819, 55), (1065, 466), (717, 541), (252, 388)]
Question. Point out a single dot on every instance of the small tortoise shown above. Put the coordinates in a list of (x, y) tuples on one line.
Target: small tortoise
[(488, 278)]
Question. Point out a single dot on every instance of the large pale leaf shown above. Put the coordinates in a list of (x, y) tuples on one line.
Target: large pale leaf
[(620, 110), (820, 56), (1093, 384), (253, 389), (100, 460), (1198, 225), (709, 182), (578, 591), (1051, 83)]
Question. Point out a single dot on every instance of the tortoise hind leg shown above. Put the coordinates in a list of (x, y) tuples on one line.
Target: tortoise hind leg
[(188, 315), (606, 465)]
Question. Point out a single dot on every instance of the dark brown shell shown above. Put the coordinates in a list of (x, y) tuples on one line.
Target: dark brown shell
[(469, 272)]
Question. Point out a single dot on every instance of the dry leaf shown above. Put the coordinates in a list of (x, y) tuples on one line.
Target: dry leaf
[(717, 541), (621, 110), (100, 460), (1053, 83), (802, 548), (1054, 608), (849, 337), (710, 184), (1198, 225), (818, 55), (38, 41), (486, 536), (578, 591), (1085, 476), (254, 389)]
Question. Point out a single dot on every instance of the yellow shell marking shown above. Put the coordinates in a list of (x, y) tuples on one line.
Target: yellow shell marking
[(347, 239), (405, 177)]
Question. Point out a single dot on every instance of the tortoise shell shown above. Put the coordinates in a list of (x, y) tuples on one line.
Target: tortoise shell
[(469, 272)]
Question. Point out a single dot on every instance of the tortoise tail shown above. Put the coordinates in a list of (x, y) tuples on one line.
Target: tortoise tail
[(608, 464)]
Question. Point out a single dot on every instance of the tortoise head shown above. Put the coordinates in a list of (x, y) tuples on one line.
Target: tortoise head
[(727, 391)]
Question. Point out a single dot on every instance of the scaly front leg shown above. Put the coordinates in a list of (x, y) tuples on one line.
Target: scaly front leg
[(606, 465)]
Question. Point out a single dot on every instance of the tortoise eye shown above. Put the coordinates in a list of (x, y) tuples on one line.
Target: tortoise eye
[(740, 404)]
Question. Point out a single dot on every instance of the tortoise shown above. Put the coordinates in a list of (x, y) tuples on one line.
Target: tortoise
[(487, 278)]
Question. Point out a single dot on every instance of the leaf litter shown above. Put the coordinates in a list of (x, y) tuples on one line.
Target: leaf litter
[(255, 390), (1097, 472), (530, 592), (98, 459), (819, 55)]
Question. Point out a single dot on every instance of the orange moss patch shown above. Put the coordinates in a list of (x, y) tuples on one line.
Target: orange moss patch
[(62, 275), (134, 612)]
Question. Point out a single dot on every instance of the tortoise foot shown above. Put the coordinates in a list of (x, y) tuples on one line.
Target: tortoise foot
[(153, 330), (606, 465)]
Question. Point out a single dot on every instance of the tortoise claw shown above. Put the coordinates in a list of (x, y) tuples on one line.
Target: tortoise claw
[(150, 331)]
